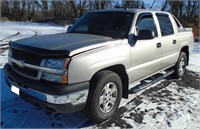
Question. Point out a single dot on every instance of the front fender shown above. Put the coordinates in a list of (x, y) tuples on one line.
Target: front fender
[(82, 67)]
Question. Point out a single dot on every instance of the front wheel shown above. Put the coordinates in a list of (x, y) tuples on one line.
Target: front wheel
[(104, 96), (180, 66)]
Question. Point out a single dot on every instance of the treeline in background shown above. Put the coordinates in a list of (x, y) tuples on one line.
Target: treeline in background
[(68, 11)]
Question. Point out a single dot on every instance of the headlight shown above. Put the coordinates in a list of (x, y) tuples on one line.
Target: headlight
[(53, 63), (60, 64)]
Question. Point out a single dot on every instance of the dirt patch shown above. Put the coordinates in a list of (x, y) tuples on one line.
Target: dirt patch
[(190, 79), (138, 117), (116, 119)]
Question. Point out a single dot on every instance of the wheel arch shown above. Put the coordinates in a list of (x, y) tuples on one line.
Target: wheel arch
[(185, 49), (121, 71)]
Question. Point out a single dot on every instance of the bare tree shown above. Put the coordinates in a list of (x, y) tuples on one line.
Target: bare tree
[(82, 7), (5, 10), (102, 4), (30, 9), (192, 11), (152, 4), (43, 5), (185, 10), (132, 4), (164, 5), (0, 9), (73, 5), (176, 7)]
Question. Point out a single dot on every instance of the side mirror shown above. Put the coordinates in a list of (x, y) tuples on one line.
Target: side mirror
[(132, 39), (69, 28), (145, 34)]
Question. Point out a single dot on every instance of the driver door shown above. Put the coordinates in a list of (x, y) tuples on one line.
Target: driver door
[(146, 53)]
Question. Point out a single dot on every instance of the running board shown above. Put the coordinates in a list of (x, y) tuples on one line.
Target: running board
[(149, 81)]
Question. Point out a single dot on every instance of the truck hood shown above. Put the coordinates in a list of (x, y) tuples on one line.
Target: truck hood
[(67, 43)]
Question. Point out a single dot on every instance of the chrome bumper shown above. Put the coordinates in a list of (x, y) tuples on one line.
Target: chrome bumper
[(72, 98)]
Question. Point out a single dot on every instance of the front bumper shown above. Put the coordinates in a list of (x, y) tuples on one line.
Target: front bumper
[(54, 97)]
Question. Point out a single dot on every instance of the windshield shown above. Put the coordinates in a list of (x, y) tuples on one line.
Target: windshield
[(112, 24)]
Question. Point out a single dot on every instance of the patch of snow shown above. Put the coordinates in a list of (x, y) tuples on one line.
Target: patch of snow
[(130, 122), (16, 113), (194, 62), (113, 126), (194, 121), (161, 112), (131, 96), (11, 31)]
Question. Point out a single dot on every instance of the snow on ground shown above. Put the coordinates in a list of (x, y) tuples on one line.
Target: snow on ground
[(15, 112), (11, 31), (169, 103), (195, 118), (169, 108), (19, 30), (173, 104), (194, 64)]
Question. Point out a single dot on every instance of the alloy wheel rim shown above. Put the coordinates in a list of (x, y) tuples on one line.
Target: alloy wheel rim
[(108, 97), (182, 66)]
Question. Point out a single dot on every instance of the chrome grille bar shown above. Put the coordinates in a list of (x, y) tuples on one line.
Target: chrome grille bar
[(39, 68)]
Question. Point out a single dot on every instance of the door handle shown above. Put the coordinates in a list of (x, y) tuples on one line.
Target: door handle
[(159, 45), (174, 41)]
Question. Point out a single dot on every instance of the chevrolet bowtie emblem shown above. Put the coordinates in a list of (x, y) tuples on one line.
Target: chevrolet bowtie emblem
[(20, 63)]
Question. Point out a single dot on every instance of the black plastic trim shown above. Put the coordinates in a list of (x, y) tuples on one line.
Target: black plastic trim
[(40, 51)]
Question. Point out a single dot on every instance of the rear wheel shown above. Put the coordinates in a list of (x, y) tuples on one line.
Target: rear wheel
[(180, 66), (104, 96)]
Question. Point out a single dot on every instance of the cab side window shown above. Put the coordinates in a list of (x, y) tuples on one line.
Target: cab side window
[(179, 26), (146, 22), (165, 24)]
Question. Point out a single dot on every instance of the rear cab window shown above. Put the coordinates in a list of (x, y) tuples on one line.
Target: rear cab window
[(180, 28), (165, 24)]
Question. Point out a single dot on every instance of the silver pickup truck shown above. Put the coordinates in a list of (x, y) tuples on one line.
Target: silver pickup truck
[(91, 66)]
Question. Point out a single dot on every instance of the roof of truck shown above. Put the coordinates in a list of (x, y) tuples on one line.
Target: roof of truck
[(132, 10)]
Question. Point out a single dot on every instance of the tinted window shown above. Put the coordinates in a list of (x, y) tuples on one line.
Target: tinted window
[(179, 26), (147, 23), (165, 24), (177, 23), (112, 24)]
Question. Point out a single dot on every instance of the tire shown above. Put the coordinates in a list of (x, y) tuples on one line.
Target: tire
[(104, 96), (180, 67)]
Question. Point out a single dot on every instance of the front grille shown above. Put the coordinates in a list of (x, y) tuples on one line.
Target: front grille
[(26, 57), (25, 71)]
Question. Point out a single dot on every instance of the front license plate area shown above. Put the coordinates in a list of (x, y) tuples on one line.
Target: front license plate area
[(15, 89)]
